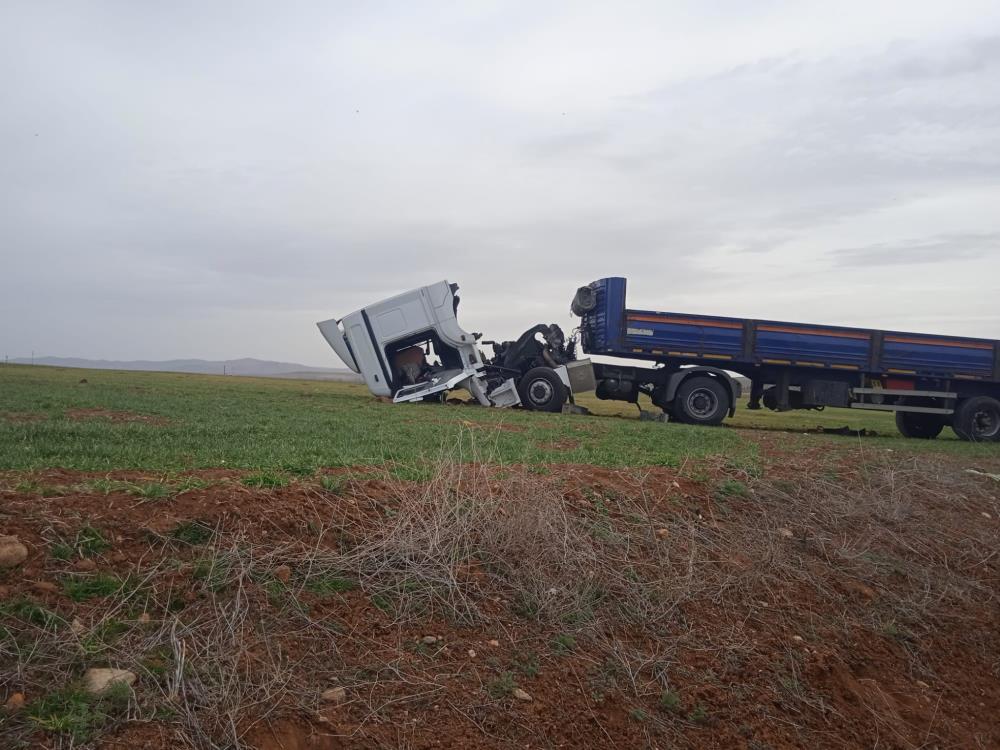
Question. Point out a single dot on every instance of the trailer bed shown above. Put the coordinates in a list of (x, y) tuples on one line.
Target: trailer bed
[(743, 345)]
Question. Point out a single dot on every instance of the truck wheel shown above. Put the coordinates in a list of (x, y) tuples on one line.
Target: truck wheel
[(701, 400), (541, 389), (917, 425), (977, 419)]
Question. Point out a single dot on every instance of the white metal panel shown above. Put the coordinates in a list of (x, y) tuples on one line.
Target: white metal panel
[(368, 362), (334, 336)]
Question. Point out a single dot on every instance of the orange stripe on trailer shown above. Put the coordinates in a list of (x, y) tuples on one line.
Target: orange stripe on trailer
[(814, 332), (717, 356), (901, 372), (940, 342), (810, 364), (777, 362), (846, 367), (959, 376), (686, 321)]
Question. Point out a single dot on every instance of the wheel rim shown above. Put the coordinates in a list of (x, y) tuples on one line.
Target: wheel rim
[(540, 392), (702, 403), (986, 423)]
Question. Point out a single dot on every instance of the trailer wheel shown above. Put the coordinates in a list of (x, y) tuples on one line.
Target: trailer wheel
[(701, 400), (541, 389), (916, 425), (977, 419)]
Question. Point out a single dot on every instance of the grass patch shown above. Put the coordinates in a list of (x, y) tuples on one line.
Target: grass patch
[(333, 484), (670, 701), (74, 714), (151, 490), (193, 533), (62, 551), (265, 480), (412, 472), (732, 488), (639, 714), (698, 715), (214, 572), (527, 664), (26, 610), (564, 644), (90, 542), (266, 427), (502, 686), (103, 636), (80, 588), (328, 585)]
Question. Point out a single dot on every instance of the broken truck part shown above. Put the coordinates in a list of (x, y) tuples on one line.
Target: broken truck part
[(411, 348)]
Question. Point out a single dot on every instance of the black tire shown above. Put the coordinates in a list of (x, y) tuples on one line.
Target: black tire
[(701, 400), (977, 420), (541, 389), (921, 426)]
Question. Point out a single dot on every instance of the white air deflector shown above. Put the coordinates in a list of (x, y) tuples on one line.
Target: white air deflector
[(334, 336)]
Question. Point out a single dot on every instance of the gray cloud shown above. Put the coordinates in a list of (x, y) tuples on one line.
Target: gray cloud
[(944, 249), (185, 181)]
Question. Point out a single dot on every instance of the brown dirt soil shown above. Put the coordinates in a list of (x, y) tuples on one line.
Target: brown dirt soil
[(841, 600), (114, 416), (22, 416)]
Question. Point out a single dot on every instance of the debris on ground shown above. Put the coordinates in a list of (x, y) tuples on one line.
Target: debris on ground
[(848, 431), (976, 472)]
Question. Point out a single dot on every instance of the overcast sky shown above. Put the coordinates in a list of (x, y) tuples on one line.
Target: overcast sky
[(208, 179)]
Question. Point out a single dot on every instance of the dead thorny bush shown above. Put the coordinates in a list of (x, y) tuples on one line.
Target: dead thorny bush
[(455, 538), (213, 670), (894, 526), (478, 539)]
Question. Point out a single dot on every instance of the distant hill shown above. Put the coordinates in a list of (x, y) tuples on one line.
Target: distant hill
[(258, 368)]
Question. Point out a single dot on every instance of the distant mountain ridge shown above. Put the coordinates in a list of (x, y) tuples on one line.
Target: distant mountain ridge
[(248, 366)]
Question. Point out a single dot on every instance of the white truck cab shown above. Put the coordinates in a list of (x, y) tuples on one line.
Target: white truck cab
[(410, 347)]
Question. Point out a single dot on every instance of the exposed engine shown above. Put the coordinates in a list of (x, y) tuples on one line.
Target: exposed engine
[(529, 351)]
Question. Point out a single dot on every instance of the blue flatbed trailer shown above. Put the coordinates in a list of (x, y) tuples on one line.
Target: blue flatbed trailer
[(929, 381)]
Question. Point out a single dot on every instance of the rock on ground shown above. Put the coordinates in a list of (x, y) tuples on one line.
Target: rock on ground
[(12, 552), (15, 702), (98, 679)]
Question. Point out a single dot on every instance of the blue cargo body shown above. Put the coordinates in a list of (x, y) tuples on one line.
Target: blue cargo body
[(744, 345)]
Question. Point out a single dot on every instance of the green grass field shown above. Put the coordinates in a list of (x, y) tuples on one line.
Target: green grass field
[(164, 421), (238, 599)]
